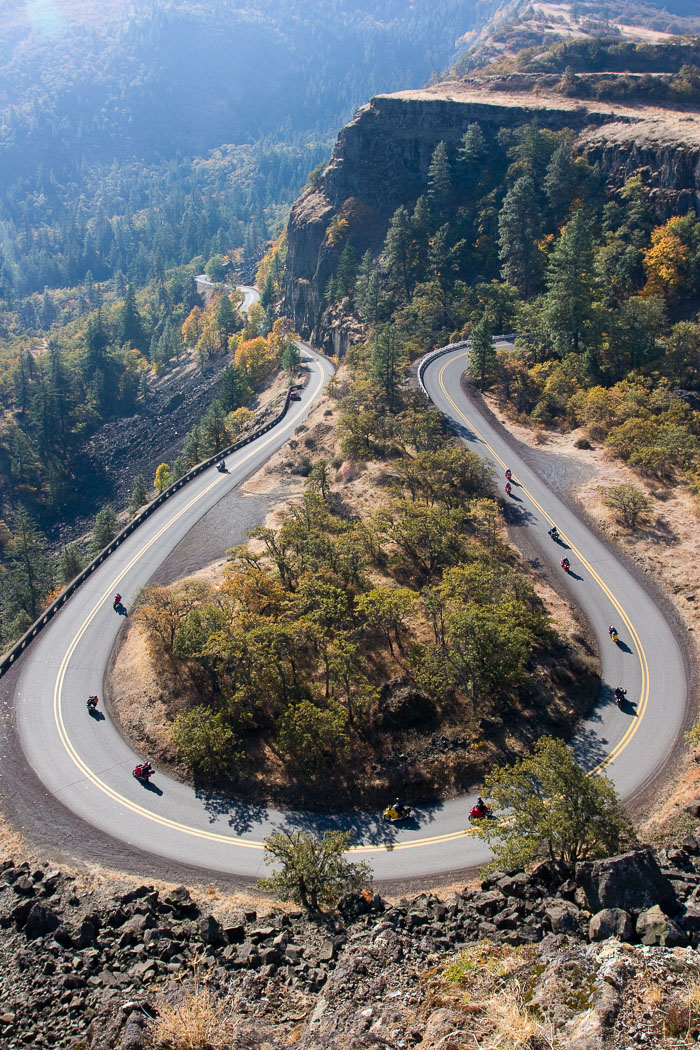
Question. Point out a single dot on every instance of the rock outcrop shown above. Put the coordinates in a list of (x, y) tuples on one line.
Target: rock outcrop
[(382, 156), (90, 969)]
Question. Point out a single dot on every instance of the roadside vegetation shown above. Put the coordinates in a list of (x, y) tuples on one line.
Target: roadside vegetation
[(516, 232), (339, 644)]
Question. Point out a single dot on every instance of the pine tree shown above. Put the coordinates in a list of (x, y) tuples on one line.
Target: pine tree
[(481, 363), (27, 572), (387, 364), (70, 563), (139, 494), (346, 272), (571, 283), (131, 324), (439, 176), (104, 529), (519, 226), (227, 319), (560, 181), (368, 290), (400, 253)]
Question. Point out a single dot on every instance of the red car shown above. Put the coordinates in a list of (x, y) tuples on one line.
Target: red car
[(294, 395)]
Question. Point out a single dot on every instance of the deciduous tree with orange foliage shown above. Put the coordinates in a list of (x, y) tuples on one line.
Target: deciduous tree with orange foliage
[(672, 263)]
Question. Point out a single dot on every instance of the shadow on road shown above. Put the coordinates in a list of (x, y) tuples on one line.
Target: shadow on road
[(97, 716), (148, 786), (624, 647), (574, 575), (241, 816), (366, 828), (589, 749)]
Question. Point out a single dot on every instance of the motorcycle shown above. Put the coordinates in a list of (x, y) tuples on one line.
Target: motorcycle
[(554, 533), (92, 702), (620, 695), (143, 772), (477, 813), (565, 564), (392, 813), (508, 488), (509, 474), (615, 638), (222, 468)]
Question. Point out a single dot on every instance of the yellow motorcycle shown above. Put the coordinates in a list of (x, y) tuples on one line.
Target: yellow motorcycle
[(394, 812)]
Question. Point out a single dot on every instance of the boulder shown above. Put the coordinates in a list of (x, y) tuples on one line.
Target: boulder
[(41, 920), (655, 927), (611, 922), (629, 881), (180, 901), (211, 930), (564, 917)]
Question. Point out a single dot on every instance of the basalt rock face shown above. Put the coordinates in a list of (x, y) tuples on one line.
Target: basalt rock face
[(382, 156)]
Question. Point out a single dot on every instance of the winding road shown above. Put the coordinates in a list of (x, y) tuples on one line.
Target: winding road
[(86, 764)]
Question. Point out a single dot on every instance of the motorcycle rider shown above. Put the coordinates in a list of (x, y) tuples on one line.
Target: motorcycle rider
[(221, 467), (400, 807), (117, 601), (554, 532), (144, 772), (92, 702), (508, 489), (509, 473), (612, 631), (620, 695), (480, 808), (565, 564)]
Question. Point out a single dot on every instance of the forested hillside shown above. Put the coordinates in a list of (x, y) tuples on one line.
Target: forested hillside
[(139, 145)]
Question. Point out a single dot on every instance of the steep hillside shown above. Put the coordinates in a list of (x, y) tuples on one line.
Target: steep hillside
[(382, 158)]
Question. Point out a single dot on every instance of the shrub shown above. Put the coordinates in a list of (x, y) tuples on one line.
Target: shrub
[(205, 741), (630, 505), (583, 443), (313, 871)]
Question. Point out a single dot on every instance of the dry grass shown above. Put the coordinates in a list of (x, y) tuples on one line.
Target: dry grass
[(515, 1027), (198, 1022)]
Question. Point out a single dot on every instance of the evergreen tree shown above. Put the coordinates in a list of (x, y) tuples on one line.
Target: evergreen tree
[(104, 529), (400, 254), (70, 563), (519, 226), (227, 319), (233, 388), (481, 363), (368, 290), (387, 364), (290, 357), (139, 494), (130, 323), (473, 146), (570, 282), (560, 181), (27, 572), (346, 272), (439, 176)]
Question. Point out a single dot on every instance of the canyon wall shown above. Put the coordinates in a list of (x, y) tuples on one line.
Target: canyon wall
[(382, 156)]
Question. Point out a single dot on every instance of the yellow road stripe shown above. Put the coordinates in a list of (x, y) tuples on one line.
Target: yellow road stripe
[(232, 840), (644, 692)]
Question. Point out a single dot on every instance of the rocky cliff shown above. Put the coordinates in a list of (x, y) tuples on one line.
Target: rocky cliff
[(382, 156)]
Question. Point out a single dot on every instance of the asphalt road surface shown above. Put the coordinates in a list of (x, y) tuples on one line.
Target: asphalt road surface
[(87, 765)]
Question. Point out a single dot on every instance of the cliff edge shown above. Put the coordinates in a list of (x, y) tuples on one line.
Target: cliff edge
[(382, 156)]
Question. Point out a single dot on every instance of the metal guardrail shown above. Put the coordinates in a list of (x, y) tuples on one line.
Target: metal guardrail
[(10, 658), (439, 351)]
